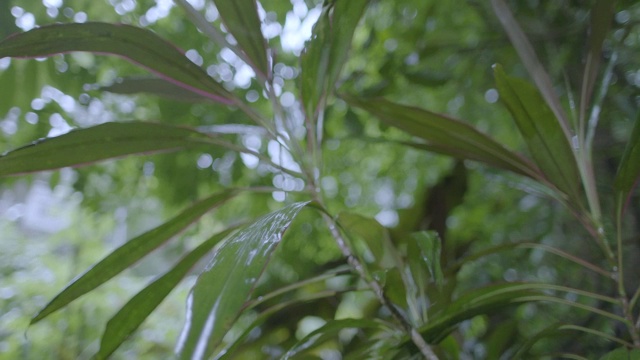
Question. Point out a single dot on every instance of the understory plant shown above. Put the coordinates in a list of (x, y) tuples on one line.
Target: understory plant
[(403, 279)]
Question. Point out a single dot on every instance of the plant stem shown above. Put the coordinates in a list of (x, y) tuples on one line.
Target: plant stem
[(416, 338)]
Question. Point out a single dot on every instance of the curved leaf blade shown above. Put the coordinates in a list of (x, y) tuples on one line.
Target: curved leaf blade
[(153, 86), (221, 291), (136, 310), (444, 317), (531, 62), (328, 331), (140, 46), (602, 13), (132, 251), (430, 247), (541, 131), (447, 135), (629, 169), (297, 298), (621, 353), (82, 147), (326, 52), (241, 18)]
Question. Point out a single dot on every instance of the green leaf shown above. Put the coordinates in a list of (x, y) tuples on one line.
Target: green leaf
[(82, 147), (153, 86), (229, 351), (555, 330), (373, 235), (326, 52), (136, 310), (220, 293), (139, 46), (329, 331), (132, 251), (622, 353), (540, 129), (531, 62), (443, 318), (430, 247), (447, 135), (601, 17), (240, 17), (629, 169)]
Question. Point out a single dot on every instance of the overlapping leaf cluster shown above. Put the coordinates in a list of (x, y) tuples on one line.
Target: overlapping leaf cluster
[(410, 273)]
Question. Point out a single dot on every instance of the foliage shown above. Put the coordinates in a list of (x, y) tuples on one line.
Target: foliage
[(513, 235)]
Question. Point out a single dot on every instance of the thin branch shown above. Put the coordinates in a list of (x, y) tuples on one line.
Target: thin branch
[(417, 339)]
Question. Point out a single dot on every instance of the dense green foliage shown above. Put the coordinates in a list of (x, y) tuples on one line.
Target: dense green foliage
[(348, 179)]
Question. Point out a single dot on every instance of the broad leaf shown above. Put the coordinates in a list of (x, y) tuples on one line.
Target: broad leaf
[(136, 310), (221, 291), (540, 129), (129, 253), (153, 86), (326, 52), (82, 147), (329, 331), (629, 169), (139, 46), (447, 135), (240, 17)]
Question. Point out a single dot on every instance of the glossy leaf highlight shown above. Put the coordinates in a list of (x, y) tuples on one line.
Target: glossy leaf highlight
[(541, 131), (82, 147), (221, 291), (136, 310), (447, 135), (129, 253), (139, 46), (326, 52)]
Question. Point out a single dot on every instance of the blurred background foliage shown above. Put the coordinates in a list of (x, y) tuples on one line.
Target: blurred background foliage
[(433, 54)]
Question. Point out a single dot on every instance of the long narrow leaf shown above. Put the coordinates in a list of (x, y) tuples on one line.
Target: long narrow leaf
[(221, 291), (444, 317), (129, 253), (629, 169), (430, 248), (110, 140), (447, 135), (240, 17), (541, 131), (601, 18), (229, 351), (327, 50), (622, 353), (140, 46), (531, 62), (328, 331), (153, 86), (136, 310)]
